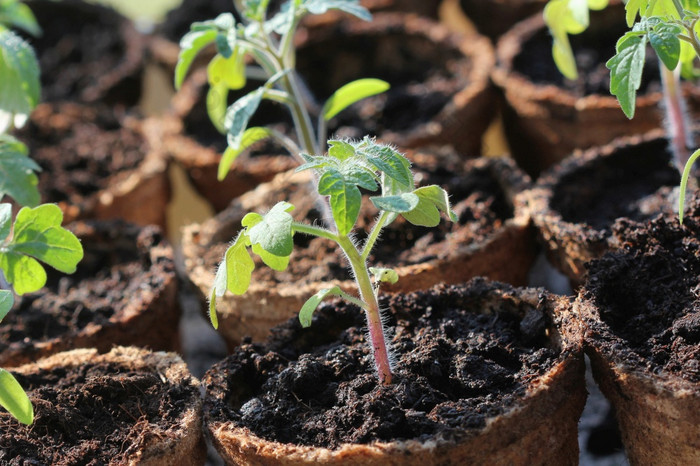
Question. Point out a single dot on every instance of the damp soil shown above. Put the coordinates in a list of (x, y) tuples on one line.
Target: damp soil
[(82, 53), (424, 76), (478, 200), (95, 413), (80, 149), (592, 49), (648, 293), (635, 181), (112, 276), (460, 360)]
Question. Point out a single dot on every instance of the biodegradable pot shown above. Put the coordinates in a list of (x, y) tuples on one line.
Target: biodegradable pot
[(164, 45), (87, 53), (439, 86), (547, 116), (129, 406), (439, 79), (492, 238), (123, 292), (575, 204), (97, 163), (493, 18), (641, 309), (483, 374)]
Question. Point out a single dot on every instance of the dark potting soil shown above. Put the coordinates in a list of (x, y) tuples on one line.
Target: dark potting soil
[(478, 200), (95, 413), (633, 182), (80, 149), (460, 360), (83, 54), (424, 76), (115, 270), (592, 49), (649, 293)]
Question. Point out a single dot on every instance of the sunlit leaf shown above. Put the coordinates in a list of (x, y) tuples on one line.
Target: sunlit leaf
[(311, 304), (351, 93), (13, 398), (626, 70)]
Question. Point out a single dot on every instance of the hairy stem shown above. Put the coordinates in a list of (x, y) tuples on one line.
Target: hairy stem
[(374, 320), (677, 124), (374, 235)]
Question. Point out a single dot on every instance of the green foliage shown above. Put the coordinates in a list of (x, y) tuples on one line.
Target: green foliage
[(267, 45), (310, 306), (7, 300), (16, 14), (250, 136), (19, 75), (384, 275), (565, 17), (36, 236), (14, 400), (626, 70), (17, 177), (684, 182), (351, 93)]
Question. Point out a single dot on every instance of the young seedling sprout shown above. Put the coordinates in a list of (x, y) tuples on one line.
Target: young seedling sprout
[(269, 44), (671, 28), (348, 167)]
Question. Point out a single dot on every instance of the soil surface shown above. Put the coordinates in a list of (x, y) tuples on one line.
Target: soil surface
[(460, 360), (80, 46), (478, 200), (424, 76), (592, 49), (96, 413), (80, 149), (649, 294), (635, 182), (116, 273)]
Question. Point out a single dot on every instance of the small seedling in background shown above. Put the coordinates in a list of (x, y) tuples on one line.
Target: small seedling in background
[(348, 167), (36, 234), (671, 28), (269, 43)]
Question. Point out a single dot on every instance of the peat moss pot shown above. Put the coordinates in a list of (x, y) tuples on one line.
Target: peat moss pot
[(129, 406), (98, 163), (484, 374), (87, 53), (124, 292), (547, 116), (640, 307), (439, 80), (574, 205), (492, 238)]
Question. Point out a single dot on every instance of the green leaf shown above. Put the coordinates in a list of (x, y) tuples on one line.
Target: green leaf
[(229, 72), (345, 199), (5, 220), (18, 15), (273, 231), (278, 263), (684, 183), (384, 275), (212, 305), (392, 164), (311, 304), (237, 271), (238, 115), (664, 39), (7, 300), (13, 398), (38, 235), (351, 93), (431, 200), (216, 106), (340, 150), (626, 70), (250, 137), (19, 75), (352, 7), (17, 177), (314, 162), (401, 203), (191, 44), (634, 8)]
